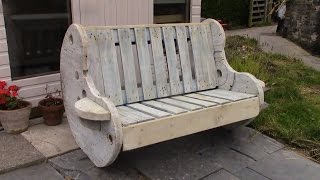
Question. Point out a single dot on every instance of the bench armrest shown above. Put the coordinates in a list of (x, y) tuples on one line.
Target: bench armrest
[(89, 110)]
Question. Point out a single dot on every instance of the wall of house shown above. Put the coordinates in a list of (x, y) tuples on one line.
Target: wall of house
[(89, 12)]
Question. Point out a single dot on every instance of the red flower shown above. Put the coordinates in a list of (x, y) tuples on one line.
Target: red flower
[(5, 92), (14, 93), (2, 84), (2, 100), (13, 88)]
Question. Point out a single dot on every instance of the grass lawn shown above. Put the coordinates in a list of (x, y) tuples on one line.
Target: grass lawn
[(294, 112)]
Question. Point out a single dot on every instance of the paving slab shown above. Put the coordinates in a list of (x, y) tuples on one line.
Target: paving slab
[(252, 143), (249, 174), (284, 165), (221, 175), (76, 165), (181, 158), (17, 152), (51, 140), (39, 172)]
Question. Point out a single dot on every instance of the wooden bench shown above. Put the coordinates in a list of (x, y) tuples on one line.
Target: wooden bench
[(126, 87)]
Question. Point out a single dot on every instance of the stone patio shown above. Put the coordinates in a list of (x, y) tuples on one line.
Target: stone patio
[(215, 154)]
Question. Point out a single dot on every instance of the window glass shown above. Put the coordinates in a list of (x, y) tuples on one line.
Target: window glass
[(171, 11), (35, 31)]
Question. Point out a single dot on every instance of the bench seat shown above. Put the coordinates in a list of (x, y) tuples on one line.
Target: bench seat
[(160, 108), (151, 122)]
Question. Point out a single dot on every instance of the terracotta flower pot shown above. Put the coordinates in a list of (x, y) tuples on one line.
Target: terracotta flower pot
[(52, 115), (16, 121)]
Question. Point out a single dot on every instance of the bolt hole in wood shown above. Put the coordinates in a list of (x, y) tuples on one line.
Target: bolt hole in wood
[(71, 39), (84, 93), (110, 138), (76, 75), (219, 73)]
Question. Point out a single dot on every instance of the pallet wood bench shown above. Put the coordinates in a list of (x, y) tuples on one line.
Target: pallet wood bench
[(127, 87)]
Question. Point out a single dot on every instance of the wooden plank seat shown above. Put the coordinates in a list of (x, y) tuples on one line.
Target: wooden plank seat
[(127, 87)]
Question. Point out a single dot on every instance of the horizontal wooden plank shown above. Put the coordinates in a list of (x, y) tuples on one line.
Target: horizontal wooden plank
[(38, 80), (3, 34), (196, 10), (194, 101), (1, 20), (208, 98), (3, 45), (164, 107), (40, 89), (4, 58), (130, 116), (230, 95), (180, 104), (196, 2), (148, 110), (188, 123), (5, 71)]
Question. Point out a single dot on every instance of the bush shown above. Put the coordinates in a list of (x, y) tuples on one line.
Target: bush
[(234, 12)]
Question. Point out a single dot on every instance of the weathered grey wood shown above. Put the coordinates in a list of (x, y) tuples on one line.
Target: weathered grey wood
[(208, 98), (230, 95), (90, 55), (208, 51), (148, 110), (130, 116), (89, 110), (164, 107), (109, 65), (94, 65), (173, 64), (160, 64), (128, 65), (180, 104), (185, 59), (149, 92), (200, 58), (194, 101)]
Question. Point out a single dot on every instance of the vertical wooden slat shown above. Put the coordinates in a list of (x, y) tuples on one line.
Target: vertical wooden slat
[(149, 91), (75, 11), (175, 84), (200, 57), (163, 90), (185, 58), (111, 12), (122, 12), (109, 65), (128, 65), (94, 63), (92, 12), (211, 65), (133, 11)]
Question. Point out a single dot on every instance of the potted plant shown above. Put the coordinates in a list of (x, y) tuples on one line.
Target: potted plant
[(52, 109), (14, 112)]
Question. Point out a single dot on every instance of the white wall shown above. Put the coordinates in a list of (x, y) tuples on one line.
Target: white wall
[(89, 12)]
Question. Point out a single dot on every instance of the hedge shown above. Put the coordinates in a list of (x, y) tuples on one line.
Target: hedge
[(234, 12)]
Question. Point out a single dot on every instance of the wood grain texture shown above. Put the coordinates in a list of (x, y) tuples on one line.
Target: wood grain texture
[(163, 90), (89, 110), (173, 64), (149, 92), (156, 131), (128, 65)]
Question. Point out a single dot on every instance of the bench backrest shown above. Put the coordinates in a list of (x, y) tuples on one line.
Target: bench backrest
[(137, 63)]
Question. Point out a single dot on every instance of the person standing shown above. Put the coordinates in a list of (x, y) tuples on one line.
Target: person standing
[(281, 17)]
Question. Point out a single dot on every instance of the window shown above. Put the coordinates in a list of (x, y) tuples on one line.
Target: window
[(35, 31), (171, 11)]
